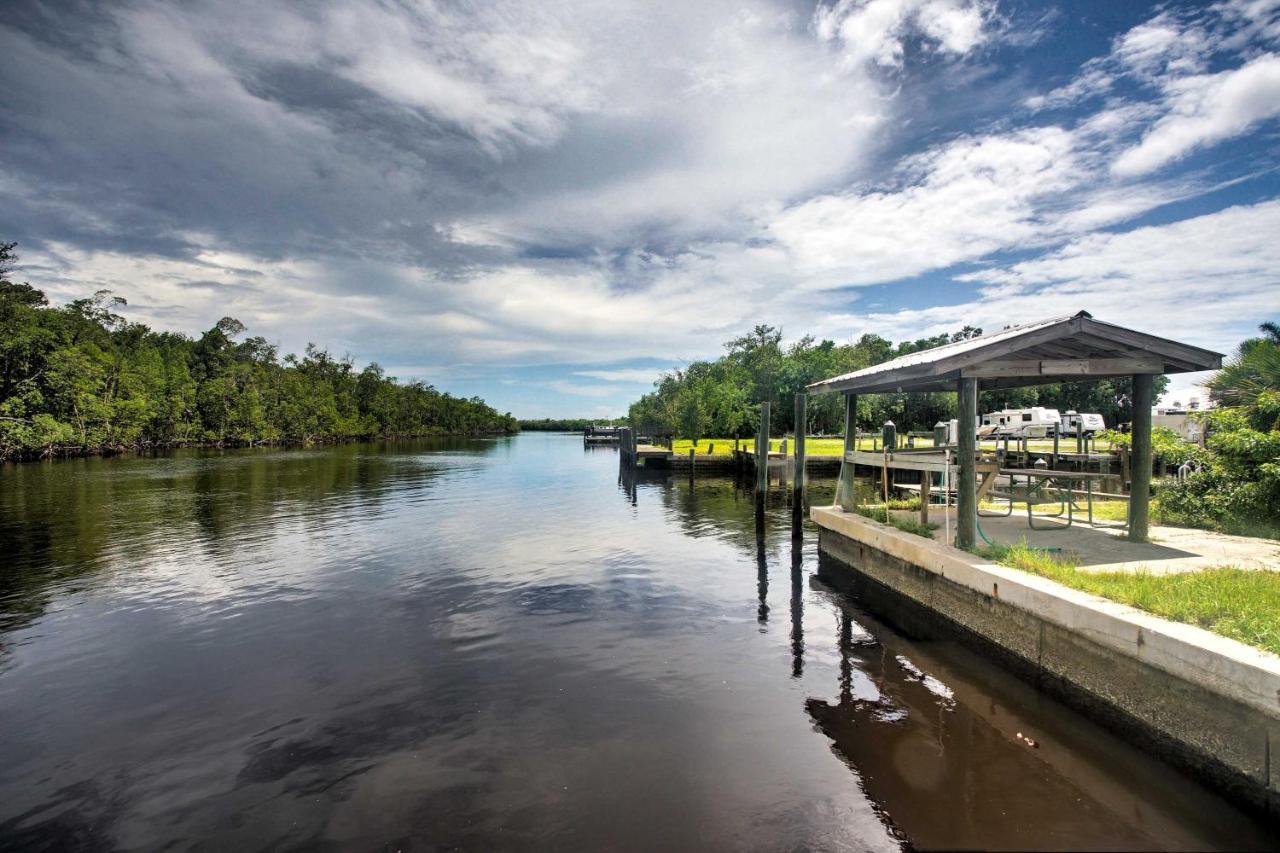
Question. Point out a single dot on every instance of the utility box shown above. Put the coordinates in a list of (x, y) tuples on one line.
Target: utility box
[(946, 433), (889, 436), (941, 431)]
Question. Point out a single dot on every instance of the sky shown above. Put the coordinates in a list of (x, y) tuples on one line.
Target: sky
[(548, 204)]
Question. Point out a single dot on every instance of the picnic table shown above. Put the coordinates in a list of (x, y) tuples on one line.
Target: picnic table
[(1046, 486)]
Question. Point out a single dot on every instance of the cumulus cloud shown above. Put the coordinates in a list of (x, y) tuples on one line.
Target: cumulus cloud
[(876, 31), (968, 199), (639, 375), (1205, 109), (1205, 280)]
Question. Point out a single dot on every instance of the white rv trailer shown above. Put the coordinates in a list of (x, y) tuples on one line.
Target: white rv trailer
[(1080, 423), (1022, 423)]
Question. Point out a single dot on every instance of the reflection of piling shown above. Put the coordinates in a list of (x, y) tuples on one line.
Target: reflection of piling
[(797, 608), (762, 572)]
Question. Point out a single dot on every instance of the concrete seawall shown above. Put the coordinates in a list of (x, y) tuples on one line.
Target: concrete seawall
[(1205, 703)]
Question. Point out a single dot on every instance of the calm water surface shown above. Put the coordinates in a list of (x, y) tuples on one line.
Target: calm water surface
[(494, 645)]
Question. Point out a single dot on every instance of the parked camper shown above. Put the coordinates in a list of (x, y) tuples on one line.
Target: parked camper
[(1077, 423), (1022, 423)]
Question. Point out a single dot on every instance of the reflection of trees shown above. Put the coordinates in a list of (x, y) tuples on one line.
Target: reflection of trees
[(61, 522), (724, 507)]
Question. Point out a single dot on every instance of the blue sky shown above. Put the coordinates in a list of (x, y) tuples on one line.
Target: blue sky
[(548, 204)]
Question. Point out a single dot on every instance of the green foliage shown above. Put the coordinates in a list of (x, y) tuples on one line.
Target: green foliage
[(723, 397), (82, 379), (1237, 603), (1166, 445), (1237, 488)]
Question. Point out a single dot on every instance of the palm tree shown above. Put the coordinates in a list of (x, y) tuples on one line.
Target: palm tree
[(1254, 370)]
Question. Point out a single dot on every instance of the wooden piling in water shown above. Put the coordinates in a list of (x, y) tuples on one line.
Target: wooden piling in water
[(762, 451), (844, 488), (802, 420)]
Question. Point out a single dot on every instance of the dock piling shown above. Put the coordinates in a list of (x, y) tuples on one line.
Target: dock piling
[(762, 451), (797, 485)]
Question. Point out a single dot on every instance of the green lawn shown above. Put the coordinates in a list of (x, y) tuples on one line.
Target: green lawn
[(724, 446), (835, 446), (1237, 603)]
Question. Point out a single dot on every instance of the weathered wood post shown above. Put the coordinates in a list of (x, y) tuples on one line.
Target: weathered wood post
[(691, 452), (762, 451), (926, 484), (967, 487), (802, 421), (1055, 447), (1140, 492), (845, 496)]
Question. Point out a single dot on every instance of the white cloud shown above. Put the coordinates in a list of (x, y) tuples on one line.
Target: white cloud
[(1205, 109), (582, 389), (637, 375), (1093, 81), (1206, 280), (969, 198), (875, 31), (1163, 46)]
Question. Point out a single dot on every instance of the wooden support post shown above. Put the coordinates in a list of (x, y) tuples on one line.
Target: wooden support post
[(691, 452), (967, 450), (1055, 448), (762, 451), (802, 421), (926, 484), (1140, 493), (845, 496)]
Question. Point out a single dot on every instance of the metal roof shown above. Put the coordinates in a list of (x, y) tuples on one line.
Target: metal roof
[(1062, 349)]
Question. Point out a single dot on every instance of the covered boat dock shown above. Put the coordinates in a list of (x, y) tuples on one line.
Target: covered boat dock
[(1064, 349)]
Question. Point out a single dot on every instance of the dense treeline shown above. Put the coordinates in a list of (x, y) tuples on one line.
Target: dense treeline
[(721, 398), (82, 379), (567, 424)]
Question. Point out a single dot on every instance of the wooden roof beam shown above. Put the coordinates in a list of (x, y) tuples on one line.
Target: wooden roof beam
[(1075, 368)]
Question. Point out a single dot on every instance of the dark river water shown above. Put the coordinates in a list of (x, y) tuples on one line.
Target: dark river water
[(498, 645)]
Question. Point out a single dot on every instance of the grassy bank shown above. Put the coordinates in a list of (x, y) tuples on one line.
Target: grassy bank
[(1236, 603), (835, 446)]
